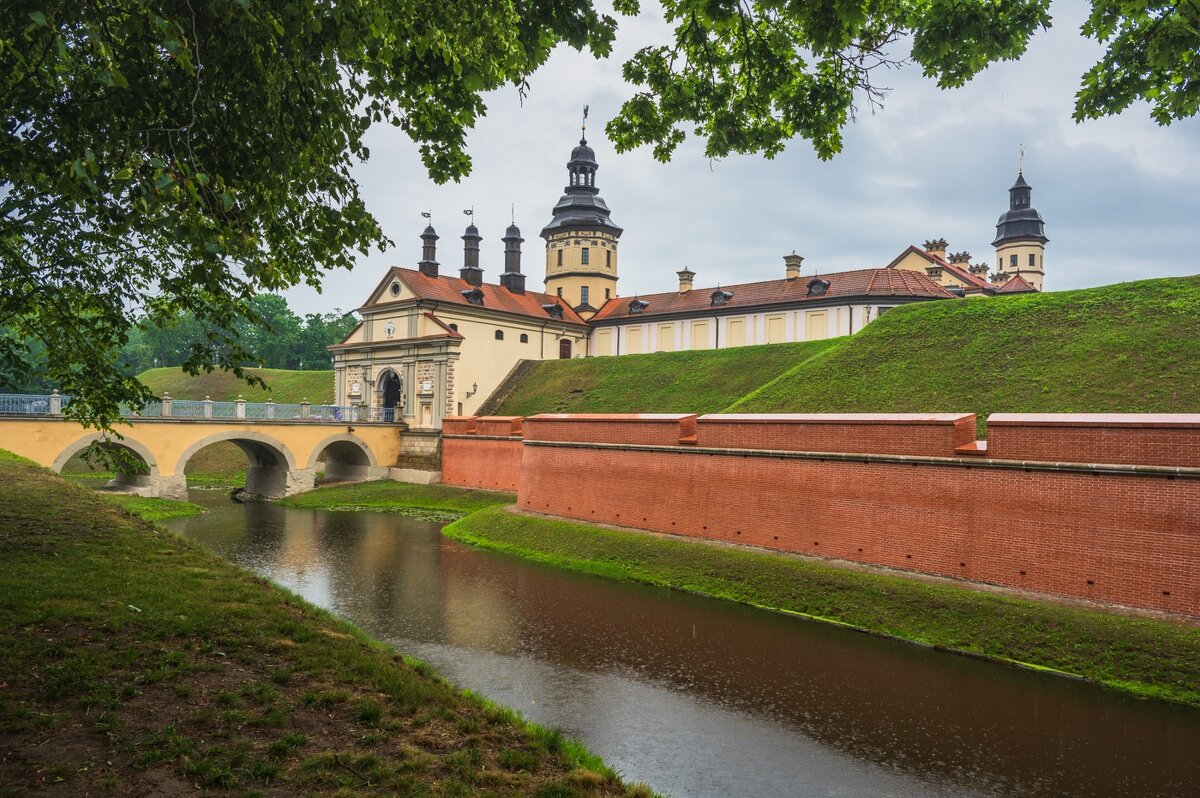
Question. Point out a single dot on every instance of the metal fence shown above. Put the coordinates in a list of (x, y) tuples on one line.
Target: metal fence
[(54, 404)]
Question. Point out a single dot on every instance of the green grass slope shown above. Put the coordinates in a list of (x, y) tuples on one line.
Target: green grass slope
[(703, 381), (1132, 347), (221, 386)]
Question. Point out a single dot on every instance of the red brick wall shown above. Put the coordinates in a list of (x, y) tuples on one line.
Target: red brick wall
[(459, 425), (1132, 540), (504, 426), (488, 464), (928, 434), (647, 429), (1150, 439)]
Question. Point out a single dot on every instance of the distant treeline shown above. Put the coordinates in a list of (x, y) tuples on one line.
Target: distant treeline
[(286, 340)]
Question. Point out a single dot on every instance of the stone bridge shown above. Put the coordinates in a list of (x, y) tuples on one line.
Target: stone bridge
[(285, 445)]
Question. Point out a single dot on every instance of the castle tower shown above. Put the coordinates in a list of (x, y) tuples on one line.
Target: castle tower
[(1020, 237), (581, 241)]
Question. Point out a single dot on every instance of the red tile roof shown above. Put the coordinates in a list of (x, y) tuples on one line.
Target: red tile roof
[(842, 285), (495, 297), (1016, 285)]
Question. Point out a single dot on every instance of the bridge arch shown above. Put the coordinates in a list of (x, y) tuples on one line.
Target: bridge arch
[(348, 458), (87, 440), (272, 466)]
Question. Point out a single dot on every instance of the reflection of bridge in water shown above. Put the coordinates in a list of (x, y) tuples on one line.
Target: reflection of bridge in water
[(283, 443)]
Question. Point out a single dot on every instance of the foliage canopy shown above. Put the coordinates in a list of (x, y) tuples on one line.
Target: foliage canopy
[(166, 157)]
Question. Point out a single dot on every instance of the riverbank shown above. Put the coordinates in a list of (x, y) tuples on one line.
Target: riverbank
[(133, 662), (1144, 656)]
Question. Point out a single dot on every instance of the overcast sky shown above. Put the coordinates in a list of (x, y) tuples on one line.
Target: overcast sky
[(1120, 196)]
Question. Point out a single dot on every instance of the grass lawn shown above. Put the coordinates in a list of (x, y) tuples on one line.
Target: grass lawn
[(1125, 348), (134, 663), (703, 381), (152, 509), (1148, 657), (437, 502), (283, 385)]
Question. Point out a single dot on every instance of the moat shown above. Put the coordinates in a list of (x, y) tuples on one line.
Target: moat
[(698, 697)]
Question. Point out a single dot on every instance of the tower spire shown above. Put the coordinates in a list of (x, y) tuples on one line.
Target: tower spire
[(1021, 160), (583, 127)]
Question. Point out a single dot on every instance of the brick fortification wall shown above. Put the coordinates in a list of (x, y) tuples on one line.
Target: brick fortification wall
[(1105, 508), (482, 452)]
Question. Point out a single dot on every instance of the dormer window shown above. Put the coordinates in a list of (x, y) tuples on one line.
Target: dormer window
[(473, 295), (553, 310), (817, 286), (395, 289), (637, 306), (720, 297)]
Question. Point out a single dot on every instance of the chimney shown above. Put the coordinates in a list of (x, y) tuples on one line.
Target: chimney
[(979, 269), (686, 276), (936, 248), (512, 279), (470, 272), (791, 265), (428, 265), (961, 259)]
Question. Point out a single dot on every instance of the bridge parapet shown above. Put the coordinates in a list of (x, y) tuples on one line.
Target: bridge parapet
[(53, 405)]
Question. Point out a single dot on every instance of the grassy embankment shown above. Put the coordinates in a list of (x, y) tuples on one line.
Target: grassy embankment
[(1140, 655), (435, 502), (135, 663), (224, 463), (704, 381), (1131, 347)]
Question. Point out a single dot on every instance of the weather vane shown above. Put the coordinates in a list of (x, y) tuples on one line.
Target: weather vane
[(583, 126), (1021, 160), (513, 210), (470, 212), (428, 215)]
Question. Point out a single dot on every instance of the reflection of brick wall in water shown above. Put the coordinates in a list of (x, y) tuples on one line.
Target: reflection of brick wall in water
[(1050, 524)]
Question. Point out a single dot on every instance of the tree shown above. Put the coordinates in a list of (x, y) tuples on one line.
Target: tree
[(165, 157)]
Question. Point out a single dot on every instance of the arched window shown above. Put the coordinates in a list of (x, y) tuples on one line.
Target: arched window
[(454, 327), (524, 338), (499, 335)]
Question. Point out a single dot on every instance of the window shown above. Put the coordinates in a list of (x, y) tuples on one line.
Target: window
[(608, 259), (608, 293), (1032, 259), (473, 295), (560, 257), (1012, 261), (395, 289), (524, 338), (583, 293), (583, 257), (560, 290), (637, 306), (499, 335), (720, 297), (818, 287), (454, 327)]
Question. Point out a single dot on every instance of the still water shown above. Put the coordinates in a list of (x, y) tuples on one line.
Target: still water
[(698, 697)]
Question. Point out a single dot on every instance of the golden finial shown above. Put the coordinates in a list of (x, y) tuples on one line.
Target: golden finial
[(1021, 161)]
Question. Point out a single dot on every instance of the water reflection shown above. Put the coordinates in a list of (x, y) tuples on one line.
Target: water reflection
[(705, 698)]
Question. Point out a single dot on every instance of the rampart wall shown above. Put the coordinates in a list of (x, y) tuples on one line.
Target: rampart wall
[(1099, 507)]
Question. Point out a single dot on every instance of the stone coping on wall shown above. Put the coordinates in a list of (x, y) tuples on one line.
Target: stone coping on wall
[(838, 418), (1122, 420)]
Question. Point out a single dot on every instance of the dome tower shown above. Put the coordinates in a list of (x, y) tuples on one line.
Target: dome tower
[(581, 241), (1020, 237)]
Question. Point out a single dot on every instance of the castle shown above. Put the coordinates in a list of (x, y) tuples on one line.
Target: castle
[(432, 345)]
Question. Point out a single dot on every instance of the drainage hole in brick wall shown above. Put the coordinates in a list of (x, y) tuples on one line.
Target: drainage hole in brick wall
[(775, 536), (815, 543), (1090, 582), (962, 565), (1166, 592), (908, 556), (739, 532), (860, 549), (1022, 573)]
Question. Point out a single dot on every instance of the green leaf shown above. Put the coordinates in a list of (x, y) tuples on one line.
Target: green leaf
[(39, 18)]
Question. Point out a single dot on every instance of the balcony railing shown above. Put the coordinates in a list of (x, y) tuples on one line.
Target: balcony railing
[(12, 404)]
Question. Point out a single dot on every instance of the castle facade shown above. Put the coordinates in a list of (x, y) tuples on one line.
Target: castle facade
[(432, 345)]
